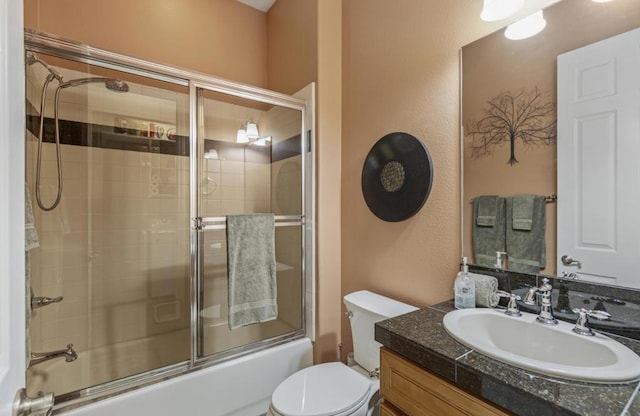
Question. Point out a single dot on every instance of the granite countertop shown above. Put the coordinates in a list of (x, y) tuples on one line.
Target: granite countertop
[(420, 337)]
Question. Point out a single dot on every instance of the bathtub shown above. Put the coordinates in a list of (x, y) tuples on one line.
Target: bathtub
[(239, 387)]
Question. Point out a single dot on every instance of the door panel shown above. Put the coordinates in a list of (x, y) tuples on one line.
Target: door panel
[(247, 175), (599, 159), (12, 299)]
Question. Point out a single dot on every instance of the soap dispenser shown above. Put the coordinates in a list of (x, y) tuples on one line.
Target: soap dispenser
[(464, 288)]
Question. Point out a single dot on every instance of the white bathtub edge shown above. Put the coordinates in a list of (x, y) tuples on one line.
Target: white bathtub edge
[(240, 387)]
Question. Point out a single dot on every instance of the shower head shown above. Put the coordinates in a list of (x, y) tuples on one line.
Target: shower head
[(116, 85), (110, 83)]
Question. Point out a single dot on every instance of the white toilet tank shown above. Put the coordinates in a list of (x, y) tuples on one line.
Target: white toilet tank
[(365, 309)]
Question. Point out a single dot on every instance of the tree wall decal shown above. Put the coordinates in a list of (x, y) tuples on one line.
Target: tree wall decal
[(524, 116)]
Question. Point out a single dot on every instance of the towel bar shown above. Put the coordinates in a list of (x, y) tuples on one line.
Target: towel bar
[(548, 199), (219, 223)]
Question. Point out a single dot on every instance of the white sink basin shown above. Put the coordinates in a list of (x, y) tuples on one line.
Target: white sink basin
[(548, 349)]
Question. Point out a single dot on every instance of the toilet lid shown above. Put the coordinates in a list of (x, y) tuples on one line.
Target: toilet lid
[(321, 390)]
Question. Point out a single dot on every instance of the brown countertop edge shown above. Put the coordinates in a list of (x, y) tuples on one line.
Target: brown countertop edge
[(420, 337)]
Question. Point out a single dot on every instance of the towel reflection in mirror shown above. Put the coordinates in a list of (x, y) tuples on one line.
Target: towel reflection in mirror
[(513, 224)]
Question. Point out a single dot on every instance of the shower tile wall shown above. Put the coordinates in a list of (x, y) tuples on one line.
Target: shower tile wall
[(117, 250)]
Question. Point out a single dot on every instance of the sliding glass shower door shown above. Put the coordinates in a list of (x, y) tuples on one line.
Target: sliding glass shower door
[(133, 169), (116, 246), (250, 162)]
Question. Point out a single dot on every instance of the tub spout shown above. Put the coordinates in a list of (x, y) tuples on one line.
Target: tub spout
[(69, 355)]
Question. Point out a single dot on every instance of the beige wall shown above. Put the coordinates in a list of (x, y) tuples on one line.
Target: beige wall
[(401, 73), (200, 35), (329, 137), (292, 55)]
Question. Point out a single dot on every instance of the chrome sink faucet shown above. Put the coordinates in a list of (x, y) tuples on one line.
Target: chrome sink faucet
[(546, 313), (69, 355), (512, 307)]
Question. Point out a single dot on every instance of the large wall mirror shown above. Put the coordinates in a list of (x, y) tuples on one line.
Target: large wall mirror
[(551, 145)]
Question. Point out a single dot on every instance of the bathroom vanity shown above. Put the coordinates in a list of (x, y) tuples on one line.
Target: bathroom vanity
[(410, 389), (424, 371)]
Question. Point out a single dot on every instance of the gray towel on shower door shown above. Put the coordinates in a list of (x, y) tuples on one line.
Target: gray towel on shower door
[(251, 264), (526, 223), (488, 229)]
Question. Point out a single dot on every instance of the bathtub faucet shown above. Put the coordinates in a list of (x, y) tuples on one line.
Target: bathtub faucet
[(69, 355)]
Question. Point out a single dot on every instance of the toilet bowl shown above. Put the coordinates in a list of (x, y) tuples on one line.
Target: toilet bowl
[(334, 389), (330, 389)]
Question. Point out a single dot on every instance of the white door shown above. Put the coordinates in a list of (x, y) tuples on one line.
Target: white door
[(599, 160), (12, 130)]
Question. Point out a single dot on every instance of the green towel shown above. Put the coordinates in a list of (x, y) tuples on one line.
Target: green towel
[(486, 210), (251, 265), (526, 246), (487, 240), (486, 290), (523, 212)]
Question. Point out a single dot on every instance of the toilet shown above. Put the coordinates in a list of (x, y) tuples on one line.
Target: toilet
[(335, 389)]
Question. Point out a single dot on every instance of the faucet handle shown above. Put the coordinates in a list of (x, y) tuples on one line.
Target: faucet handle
[(582, 323), (512, 307), (530, 297), (546, 286), (598, 314)]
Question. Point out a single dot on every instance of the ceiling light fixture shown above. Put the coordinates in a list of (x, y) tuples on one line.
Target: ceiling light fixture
[(241, 136), (493, 10), (527, 27), (252, 131)]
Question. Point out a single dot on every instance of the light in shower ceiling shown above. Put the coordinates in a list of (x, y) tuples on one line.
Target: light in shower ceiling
[(241, 137), (249, 134), (252, 131)]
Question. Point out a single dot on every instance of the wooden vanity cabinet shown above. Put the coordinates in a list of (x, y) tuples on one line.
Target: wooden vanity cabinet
[(410, 390)]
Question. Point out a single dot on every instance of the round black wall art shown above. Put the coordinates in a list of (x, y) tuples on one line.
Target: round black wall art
[(397, 177)]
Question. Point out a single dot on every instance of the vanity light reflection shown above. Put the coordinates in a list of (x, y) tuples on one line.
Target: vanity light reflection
[(493, 10), (527, 27)]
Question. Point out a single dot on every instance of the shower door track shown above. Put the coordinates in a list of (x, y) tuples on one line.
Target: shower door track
[(70, 50)]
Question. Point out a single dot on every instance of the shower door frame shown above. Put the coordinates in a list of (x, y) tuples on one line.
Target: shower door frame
[(39, 42)]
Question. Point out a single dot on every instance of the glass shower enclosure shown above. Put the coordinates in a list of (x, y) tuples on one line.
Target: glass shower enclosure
[(132, 169)]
